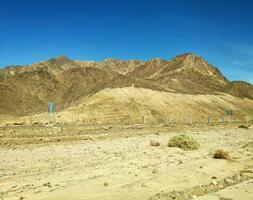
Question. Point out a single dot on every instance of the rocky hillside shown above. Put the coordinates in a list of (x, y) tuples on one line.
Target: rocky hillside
[(26, 90), (137, 105)]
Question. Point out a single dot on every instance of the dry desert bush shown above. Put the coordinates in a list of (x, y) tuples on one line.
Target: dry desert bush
[(221, 154), (243, 126), (184, 142)]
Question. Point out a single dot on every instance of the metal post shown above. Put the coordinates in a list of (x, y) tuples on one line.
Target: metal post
[(142, 119), (50, 110)]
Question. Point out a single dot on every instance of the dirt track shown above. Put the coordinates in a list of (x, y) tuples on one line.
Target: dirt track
[(110, 162)]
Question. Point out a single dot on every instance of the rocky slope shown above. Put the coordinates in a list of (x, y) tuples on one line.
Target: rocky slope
[(26, 90), (138, 105)]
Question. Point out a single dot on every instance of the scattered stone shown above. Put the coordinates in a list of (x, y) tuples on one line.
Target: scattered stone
[(37, 191), (106, 184), (214, 182), (228, 181), (154, 144), (154, 171), (48, 184)]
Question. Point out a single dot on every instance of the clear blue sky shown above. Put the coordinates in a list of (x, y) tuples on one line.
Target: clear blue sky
[(221, 31)]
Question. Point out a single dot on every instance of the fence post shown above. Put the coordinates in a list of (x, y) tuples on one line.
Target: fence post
[(142, 119)]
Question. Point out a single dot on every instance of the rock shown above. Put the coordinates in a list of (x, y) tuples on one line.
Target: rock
[(37, 191), (154, 143), (214, 177), (47, 184), (106, 184), (14, 186), (214, 182), (228, 181)]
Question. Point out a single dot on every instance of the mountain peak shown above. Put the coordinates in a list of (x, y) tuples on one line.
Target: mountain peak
[(60, 60), (186, 56), (62, 57)]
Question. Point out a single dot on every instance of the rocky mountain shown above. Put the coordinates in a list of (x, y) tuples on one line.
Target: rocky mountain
[(26, 90)]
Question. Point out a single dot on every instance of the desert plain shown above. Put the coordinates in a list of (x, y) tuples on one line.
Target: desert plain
[(119, 162)]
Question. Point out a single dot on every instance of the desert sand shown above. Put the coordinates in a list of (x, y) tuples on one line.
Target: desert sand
[(118, 162)]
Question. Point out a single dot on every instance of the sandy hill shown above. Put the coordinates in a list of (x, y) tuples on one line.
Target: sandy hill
[(25, 90), (133, 105)]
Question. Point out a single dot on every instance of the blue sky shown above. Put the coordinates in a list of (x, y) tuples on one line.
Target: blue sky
[(219, 31)]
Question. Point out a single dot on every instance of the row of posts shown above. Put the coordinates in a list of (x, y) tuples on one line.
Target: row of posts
[(189, 120)]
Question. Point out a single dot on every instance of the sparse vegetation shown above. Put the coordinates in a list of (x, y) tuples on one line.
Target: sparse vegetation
[(154, 143), (221, 154), (243, 126), (184, 142), (18, 123)]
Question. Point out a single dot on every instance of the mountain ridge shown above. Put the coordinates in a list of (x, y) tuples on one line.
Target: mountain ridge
[(66, 81)]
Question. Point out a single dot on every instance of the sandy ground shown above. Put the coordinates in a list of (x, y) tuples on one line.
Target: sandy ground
[(114, 162), (240, 191)]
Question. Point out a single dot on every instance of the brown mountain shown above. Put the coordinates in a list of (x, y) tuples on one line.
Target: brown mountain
[(27, 89)]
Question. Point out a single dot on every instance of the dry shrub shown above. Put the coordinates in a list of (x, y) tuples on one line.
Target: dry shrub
[(221, 154), (18, 123), (243, 126), (154, 144), (184, 142)]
